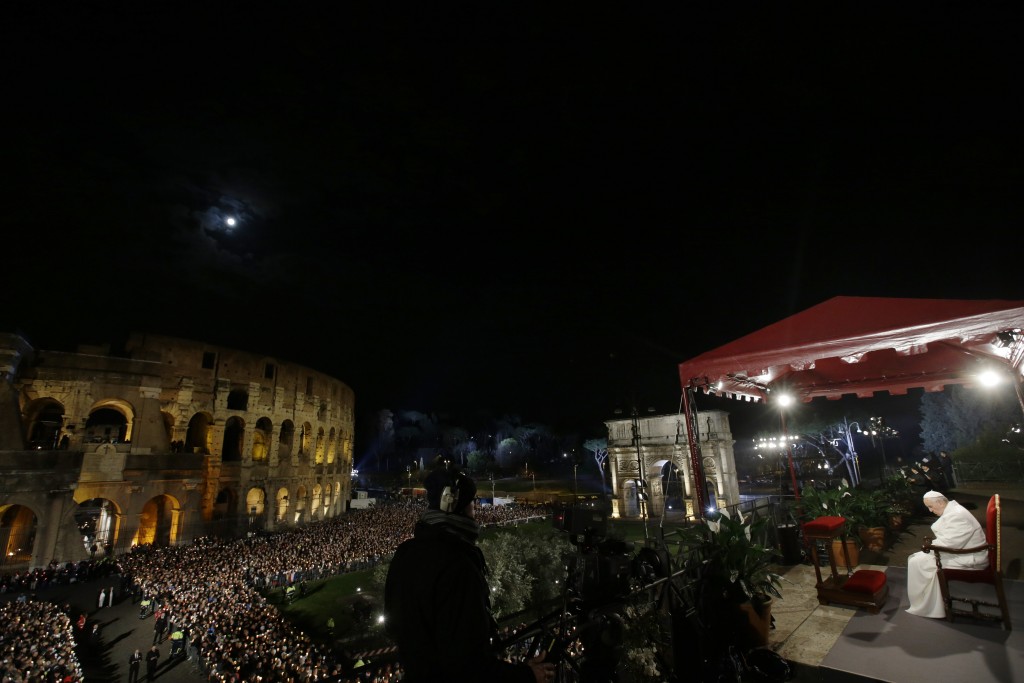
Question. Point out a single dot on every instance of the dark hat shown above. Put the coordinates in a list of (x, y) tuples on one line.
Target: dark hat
[(452, 488)]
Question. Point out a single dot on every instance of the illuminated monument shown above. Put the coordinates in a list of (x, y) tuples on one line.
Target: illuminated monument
[(162, 443)]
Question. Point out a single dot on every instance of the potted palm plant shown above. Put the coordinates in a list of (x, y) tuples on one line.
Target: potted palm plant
[(737, 577)]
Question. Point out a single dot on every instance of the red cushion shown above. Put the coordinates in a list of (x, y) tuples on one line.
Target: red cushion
[(868, 581), (825, 526)]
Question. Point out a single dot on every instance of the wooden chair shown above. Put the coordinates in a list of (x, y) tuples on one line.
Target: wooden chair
[(993, 575)]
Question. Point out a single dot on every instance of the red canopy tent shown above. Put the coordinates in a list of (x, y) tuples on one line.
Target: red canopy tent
[(860, 346)]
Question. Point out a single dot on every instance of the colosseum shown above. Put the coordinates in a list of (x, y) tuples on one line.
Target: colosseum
[(161, 442)]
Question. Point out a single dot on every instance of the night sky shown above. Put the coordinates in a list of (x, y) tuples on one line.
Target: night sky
[(532, 211)]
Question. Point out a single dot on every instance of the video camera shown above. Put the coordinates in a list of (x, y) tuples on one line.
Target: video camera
[(603, 568)]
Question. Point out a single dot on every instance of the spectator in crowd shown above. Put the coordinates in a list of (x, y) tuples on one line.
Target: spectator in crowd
[(152, 662), (134, 662)]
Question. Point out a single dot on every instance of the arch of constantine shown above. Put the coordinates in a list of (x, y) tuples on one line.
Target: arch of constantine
[(651, 473)]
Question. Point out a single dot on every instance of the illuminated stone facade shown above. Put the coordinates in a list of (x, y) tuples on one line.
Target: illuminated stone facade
[(663, 454), (164, 442)]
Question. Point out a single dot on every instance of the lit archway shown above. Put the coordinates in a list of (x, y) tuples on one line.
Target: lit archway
[(261, 439), (300, 503), (282, 503), (332, 446), (158, 522), (97, 522), (255, 505), (672, 486), (317, 513)]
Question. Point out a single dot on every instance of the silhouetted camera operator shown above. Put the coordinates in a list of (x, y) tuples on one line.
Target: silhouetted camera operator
[(436, 598)]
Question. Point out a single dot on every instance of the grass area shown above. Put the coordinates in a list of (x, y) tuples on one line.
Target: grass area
[(558, 487), (337, 597)]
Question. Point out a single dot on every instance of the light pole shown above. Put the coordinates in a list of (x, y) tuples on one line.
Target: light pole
[(575, 465), (785, 400)]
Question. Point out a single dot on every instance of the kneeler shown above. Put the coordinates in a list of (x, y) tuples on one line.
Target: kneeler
[(864, 588)]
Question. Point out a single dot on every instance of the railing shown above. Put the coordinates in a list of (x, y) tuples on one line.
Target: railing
[(782, 530), (990, 471)]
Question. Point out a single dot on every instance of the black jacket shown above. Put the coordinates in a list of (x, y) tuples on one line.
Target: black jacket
[(438, 609)]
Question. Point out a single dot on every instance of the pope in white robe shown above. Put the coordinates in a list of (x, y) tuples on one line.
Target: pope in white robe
[(956, 528)]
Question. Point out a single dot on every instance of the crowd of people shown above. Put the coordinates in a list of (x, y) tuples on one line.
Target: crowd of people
[(210, 590), (55, 573), (37, 644)]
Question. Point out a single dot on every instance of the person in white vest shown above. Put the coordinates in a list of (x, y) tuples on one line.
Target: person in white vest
[(956, 528)]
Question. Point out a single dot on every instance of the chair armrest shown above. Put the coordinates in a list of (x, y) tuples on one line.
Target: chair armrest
[(954, 551)]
